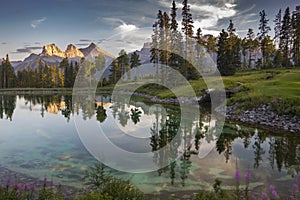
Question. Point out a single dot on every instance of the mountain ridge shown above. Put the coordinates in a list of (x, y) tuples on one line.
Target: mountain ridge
[(52, 55)]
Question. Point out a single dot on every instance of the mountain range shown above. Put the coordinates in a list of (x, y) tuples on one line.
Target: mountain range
[(52, 55)]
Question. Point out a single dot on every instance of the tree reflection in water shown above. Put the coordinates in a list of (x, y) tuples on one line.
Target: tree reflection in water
[(282, 150)]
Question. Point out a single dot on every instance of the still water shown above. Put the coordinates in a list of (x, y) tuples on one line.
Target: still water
[(38, 137)]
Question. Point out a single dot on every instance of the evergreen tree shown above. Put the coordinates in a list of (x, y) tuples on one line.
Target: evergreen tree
[(244, 46), (7, 73), (250, 46), (277, 27), (285, 35), (211, 45), (200, 49), (277, 62), (154, 57), (262, 34), (115, 71), (296, 38), (187, 28), (234, 48), (224, 67), (187, 20), (176, 43), (165, 46), (64, 65), (100, 66), (269, 49), (135, 62), (123, 62)]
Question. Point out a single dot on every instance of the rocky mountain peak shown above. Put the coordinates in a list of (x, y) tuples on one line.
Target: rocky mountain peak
[(52, 50), (73, 52), (92, 45)]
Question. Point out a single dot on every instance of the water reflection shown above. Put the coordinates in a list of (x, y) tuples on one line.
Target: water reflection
[(7, 106), (159, 124)]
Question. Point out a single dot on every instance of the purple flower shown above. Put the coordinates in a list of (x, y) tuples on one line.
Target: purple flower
[(87, 190), (253, 197), (274, 193), (264, 195), (27, 187), (8, 182), (33, 186), (22, 186), (248, 176), (295, 187), (271, 187), (45, 180), (51, 183), (16, 186), (238, 175)]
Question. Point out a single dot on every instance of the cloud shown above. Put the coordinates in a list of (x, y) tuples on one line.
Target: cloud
[(27, 49), (4, 43), (100, 41), (127, 37), (36, 23), (207, 14), (125, 28), (85, 40), (111, 20), (82, 44)]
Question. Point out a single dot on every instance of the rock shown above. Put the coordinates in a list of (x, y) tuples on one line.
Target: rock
[(263, 115)]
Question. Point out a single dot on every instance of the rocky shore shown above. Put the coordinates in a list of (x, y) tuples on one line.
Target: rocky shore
[(263, 116)]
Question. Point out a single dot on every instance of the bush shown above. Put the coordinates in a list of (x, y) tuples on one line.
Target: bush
[(102, 183)]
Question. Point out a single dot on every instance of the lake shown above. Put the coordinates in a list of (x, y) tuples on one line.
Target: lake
[(43, 135)]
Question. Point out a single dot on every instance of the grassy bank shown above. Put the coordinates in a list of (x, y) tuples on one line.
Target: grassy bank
[(281, 86)]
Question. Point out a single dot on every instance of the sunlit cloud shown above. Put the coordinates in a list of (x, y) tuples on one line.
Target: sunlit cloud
[(125, 28), (36, 23)]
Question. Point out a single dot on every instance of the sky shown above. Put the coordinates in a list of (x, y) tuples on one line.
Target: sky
[(28, 25)]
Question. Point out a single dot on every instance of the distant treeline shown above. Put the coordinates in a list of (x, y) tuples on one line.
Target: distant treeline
[(64, 74)]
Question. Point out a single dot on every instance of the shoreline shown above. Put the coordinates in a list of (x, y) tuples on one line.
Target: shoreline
[(262, 117)]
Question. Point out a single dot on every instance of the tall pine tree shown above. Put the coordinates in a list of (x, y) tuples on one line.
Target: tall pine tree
[(296, 38), (285, 35), (264, 29)]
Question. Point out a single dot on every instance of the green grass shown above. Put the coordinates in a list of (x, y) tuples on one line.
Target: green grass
[(255, 88), (285, 85)]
